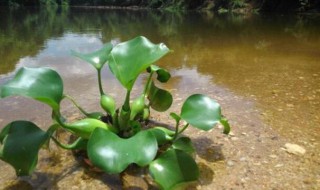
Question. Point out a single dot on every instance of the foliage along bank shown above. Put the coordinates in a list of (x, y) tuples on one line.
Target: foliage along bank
[(175, 5)]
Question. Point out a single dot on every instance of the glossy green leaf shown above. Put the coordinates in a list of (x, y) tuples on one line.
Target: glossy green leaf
[(226, 126), (83, 128), (113, 154), (128, 59), (21, 141), (97, 58), (174, 168), (42, 84), (160, 100), (163, 75), (184, 144), (163, 135), (201, 112)]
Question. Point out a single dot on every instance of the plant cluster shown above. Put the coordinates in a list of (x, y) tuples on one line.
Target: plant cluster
[(117, 138)]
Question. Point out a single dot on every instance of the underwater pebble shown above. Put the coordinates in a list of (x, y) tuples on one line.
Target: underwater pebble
[(243, 159), (294, 149), (231, 134), (278, 165), (290, 105), (230, 163), (272, 156), (234, 138)]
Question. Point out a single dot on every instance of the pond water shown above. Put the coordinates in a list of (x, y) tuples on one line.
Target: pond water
[(271, 61)]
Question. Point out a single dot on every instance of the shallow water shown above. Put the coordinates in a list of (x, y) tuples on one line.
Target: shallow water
[(273, 62)]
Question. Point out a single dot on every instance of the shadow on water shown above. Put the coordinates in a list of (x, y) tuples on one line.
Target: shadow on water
[(208, 150), (211, 152), (39, 180)]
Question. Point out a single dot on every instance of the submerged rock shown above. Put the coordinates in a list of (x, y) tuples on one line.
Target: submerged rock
[(294, 149)]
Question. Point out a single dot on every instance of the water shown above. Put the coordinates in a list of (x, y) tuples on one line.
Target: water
[(268, 63)]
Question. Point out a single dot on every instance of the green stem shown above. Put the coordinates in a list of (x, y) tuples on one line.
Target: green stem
[(67, 146), (184, 128), (76, 104), (100, 82), (176, 131), (124, 115), (57, 118), (126, 105), (148, 83)]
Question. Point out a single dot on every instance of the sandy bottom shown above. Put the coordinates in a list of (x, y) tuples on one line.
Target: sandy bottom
[(251, 157)]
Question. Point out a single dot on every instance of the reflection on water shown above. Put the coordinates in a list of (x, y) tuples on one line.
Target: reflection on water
[(272, 60)]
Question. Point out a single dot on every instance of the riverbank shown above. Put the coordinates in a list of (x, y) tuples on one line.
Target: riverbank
[(221, 6)]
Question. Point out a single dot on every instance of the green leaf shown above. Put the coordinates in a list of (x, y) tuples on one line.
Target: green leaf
[(113, 154), (173, 169), (201, 112), (42, 84), (160, 100), (163, 75), (128, 59), (21, 141), (226, 126), (97, 58), (184, 144)]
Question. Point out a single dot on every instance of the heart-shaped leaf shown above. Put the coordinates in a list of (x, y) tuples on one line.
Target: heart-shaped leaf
[(21, 141), (160, 100), (113, 154), (184, 144), (201, 112), (174, 168), (163, 75), (97, 58), (128, 59), (42, 84)]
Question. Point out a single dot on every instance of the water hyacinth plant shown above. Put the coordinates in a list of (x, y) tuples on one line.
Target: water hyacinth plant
[(117, 138)]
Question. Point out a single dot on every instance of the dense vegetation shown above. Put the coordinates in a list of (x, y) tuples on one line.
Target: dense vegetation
[(216, 5)]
